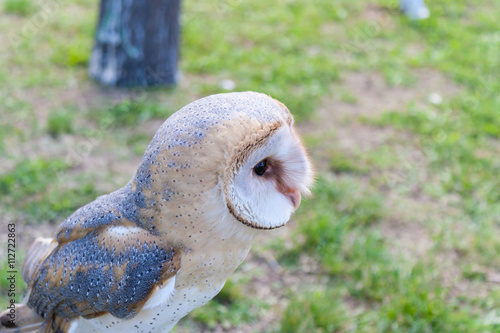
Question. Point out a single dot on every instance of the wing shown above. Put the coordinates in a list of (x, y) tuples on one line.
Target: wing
[(112, 270)]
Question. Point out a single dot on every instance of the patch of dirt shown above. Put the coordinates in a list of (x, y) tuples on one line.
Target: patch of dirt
[(379, 17), (410, 240)]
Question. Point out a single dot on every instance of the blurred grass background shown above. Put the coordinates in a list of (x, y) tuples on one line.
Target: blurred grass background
[(401, 118)]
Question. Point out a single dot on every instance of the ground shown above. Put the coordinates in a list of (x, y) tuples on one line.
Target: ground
[(400, 117)]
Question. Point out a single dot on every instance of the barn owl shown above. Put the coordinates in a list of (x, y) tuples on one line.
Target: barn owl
[(217, 173)]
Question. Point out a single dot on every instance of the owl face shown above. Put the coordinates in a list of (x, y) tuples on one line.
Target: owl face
[(267, 187), (234, 154)]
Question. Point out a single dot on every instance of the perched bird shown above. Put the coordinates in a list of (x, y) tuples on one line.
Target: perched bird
[(217, 173)]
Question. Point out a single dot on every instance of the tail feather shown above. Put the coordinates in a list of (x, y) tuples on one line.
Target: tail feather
[(22, 320), (37, 252)]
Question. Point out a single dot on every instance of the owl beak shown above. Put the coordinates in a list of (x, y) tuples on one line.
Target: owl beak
[(295, 197)]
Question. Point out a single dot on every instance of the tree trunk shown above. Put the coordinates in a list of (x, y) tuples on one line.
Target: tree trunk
[(136, 43)]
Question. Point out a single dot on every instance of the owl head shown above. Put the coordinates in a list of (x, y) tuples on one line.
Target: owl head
[(236, 150)]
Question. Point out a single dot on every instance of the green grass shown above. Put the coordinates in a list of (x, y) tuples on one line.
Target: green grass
[(36, 187), (130, 112), (339, 229), (341, 162), (76, 53), (30, 177), (60, 122), (20, 7), (353, 262), (315, 311)]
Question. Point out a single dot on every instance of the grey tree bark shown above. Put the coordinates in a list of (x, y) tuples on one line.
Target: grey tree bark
[(136, 43)]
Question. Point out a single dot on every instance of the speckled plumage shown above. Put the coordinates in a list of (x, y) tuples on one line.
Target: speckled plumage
[(141, 258)]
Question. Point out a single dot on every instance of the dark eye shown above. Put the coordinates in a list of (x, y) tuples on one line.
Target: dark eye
[(260, 168)]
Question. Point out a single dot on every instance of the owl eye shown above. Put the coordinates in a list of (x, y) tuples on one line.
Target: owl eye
[(260, 168)]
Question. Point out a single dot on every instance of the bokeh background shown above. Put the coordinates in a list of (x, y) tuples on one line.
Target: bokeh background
[(400, 117)]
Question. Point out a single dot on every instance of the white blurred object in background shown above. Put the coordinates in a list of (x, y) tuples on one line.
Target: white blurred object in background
[(415, 9)]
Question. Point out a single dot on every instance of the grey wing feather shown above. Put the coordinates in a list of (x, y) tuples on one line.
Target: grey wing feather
[(105, 272)]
